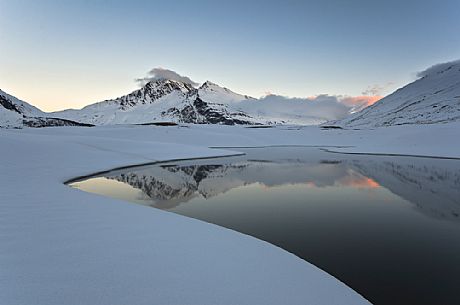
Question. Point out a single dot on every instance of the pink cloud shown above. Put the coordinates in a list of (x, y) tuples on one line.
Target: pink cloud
[(360, 102)]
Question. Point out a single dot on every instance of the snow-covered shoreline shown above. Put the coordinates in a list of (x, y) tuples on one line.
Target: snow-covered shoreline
[(64, 246)]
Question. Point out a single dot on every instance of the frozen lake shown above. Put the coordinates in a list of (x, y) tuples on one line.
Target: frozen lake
[(388, 227)]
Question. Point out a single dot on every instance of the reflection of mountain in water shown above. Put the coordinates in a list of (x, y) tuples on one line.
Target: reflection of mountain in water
[(433, 186), (168, 186)]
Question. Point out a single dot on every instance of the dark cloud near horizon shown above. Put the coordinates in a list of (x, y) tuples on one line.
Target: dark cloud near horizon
[(161, 73)]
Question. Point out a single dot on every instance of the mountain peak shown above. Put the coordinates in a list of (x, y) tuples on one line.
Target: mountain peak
[(209, 84), (168, 83)]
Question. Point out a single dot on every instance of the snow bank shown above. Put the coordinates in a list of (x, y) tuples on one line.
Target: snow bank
[(64, 246)]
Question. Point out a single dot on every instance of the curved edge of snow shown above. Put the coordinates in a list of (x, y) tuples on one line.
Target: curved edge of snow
[(64, 246)]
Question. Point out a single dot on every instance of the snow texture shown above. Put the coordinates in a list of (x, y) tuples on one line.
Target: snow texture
[(434, 98), (64, 246)]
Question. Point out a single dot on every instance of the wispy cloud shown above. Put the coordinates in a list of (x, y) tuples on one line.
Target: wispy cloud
[(377, 89), (437, 68), (161, 73)]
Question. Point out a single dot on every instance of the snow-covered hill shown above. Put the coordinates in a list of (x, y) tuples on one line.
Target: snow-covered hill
[(15, 113), (433, 98)]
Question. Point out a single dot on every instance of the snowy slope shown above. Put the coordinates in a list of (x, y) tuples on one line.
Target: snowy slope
[(55, 238), (434, 98), (10, 118), (64, 246), (214, 93), (20, 106), (13, 110), (15, 113)]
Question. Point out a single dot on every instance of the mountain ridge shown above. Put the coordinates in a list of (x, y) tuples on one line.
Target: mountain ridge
[(15, 113), (433, 98)]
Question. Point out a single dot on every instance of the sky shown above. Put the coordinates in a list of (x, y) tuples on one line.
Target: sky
[(67, 54)]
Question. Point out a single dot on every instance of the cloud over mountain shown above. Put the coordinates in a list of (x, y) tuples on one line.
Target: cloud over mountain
[(438, 68), (161, 73)]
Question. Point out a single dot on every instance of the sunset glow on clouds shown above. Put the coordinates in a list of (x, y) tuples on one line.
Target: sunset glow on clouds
[(351, 103), (323, 106), (360, 102)]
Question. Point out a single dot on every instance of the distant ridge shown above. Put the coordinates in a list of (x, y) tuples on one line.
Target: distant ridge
[(168, 100), (15, 113), (433, 98)]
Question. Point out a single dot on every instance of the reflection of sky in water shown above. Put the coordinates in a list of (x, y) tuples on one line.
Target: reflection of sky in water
[(111, 188), (388, 227)]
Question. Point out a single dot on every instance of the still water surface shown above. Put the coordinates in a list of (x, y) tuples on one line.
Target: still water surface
[(388, 227)]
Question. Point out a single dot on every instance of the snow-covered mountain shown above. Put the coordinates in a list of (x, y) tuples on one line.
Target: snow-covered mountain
[(166, 100), (433, 98), (15, 113)]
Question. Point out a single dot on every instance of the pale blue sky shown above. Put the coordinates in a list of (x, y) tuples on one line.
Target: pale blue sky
[(60, 54)]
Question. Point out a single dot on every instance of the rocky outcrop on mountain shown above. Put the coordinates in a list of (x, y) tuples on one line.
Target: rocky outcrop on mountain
[(39, 122), (166, 100)]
